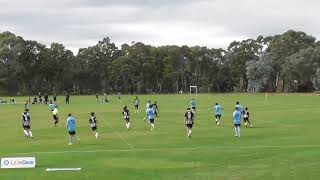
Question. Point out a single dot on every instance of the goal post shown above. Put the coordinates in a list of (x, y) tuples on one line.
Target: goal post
[(194, 89)]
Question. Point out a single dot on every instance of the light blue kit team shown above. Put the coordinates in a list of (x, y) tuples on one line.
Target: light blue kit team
[(150, 115)]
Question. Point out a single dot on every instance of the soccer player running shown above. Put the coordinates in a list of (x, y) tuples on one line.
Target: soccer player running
[(189, 120), (55, 115), (71, 127), (136, 105), (246, 117), (51, 106), (148, 105), (193, 105), (150, 115), (217, 112), (126, 117), (26, 123), (93, 123), (156, 108), (237, 121)]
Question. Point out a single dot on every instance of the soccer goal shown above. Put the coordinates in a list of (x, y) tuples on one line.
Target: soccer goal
[(194, 89)]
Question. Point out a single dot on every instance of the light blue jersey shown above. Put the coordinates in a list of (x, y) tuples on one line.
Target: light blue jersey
[(71, 124), (51, 107), (150, 113), (237, 117), (217, 110), (193, 104)]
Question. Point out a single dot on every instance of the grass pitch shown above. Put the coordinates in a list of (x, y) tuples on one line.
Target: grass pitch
[(284, 143)]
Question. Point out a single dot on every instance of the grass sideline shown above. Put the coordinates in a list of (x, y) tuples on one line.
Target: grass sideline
[(284, 143)]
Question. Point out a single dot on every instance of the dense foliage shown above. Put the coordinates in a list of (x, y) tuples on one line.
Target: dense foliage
[(289, 62)]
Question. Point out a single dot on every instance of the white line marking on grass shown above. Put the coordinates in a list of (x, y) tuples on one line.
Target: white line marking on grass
[(63, 169), (121, 137), (171, 149)]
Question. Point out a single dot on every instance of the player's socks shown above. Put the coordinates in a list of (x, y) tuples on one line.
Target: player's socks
[(97, 135), (128, 125), (238, 130), (70, 140), (251, 125), (25, 133), (30, 133)]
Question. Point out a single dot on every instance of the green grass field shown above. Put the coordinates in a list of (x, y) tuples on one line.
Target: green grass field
[(284, 143)]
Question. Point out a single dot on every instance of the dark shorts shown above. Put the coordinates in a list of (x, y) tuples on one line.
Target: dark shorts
[(218, 116), (245, 119), (72, 132), (193, 108), (127, 120), (151, 121), (26, 127), (94, 128), (189, 125), (136, 106), (55, 117), (237, 125)]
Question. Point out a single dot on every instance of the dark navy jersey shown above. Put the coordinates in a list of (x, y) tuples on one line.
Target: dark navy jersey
[(93, 121), (126, 114), (26, 119), (189, 117)]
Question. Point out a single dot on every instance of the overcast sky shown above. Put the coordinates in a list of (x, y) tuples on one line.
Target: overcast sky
[(212, 23)]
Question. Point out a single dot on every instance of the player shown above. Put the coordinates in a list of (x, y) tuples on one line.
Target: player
[(97, 97), (193, 105), (35, 100), (156, 108), (239, 107), (40, 98), (93, 123), (26, 123), (136, 105), (55, 99), (246, 117), (51, 106), (71, 127), (119, 97), (55, 116), (126, 116), (237, 121), (150, 115), (217, 112), (189, 120), (67, 98), (26, 105), (148, 105), (46, 98)]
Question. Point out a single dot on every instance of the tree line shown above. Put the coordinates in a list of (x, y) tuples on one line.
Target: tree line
[(288, 62)]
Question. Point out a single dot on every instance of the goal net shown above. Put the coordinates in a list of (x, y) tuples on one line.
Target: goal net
[(193, 89)]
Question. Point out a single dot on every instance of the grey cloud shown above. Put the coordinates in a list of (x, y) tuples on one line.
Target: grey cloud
[(214, 23)]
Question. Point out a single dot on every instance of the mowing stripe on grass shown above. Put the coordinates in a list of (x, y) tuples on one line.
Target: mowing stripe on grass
[(170, 149)]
